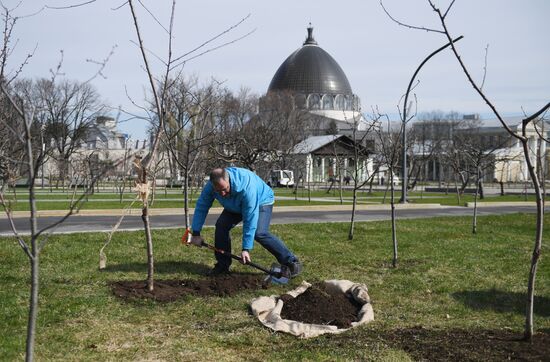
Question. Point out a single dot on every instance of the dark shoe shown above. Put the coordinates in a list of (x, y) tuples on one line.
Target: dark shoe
[(295, 268), (219, 270)]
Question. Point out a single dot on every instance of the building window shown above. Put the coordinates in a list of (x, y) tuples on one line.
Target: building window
[(339, 102), (356, 103), (348, 103), (314, 101), (328, 102), (317, 169), (300, 101)]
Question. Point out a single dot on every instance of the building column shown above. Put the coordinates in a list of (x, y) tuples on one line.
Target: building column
[(322, 173), (345, 167), (532, 147), (309, 168), (543, 162)]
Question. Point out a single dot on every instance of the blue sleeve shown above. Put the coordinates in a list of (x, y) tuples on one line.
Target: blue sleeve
[(204, 203), (250, 212)]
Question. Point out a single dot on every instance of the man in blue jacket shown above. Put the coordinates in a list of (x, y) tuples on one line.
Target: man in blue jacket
[(245, 197)]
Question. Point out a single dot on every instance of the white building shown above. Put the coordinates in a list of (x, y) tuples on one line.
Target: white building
[(102, 145), (331, 157)]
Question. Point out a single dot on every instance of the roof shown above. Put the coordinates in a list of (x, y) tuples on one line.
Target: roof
[(313, 143), (494, 122), (310, 69)]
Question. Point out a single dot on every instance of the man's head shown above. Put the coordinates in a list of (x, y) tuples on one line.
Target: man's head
[(220, 180)]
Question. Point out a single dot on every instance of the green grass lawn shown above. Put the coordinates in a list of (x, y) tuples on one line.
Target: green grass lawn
[(173, 198), (447, 279)]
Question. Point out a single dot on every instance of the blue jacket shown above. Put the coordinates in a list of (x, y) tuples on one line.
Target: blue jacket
[(248, 192)]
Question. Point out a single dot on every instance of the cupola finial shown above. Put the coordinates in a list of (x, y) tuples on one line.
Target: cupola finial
[(310, 39)]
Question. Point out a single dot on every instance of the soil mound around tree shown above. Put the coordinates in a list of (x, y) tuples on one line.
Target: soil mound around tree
[(321, 305), (171, 290), (425, 344)]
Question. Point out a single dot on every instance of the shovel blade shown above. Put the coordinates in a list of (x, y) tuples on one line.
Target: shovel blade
[(278, 274), (275, 280)]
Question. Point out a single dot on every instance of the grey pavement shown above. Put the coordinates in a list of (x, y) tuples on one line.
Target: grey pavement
[(104, 220)]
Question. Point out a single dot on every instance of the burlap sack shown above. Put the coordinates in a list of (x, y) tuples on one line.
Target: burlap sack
[(268, 310)]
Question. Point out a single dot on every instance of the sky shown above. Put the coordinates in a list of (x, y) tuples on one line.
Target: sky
[(377, 55)]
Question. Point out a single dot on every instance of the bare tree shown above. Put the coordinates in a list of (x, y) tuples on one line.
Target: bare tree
[(261, 140), (390, 147), (190, 128), (236, 139), (289, 125), (430, 138), (527, 151), (478, 156), (361, 175), (159, 87), (25, 130), (122, 175), (69, 109), (142, 166)]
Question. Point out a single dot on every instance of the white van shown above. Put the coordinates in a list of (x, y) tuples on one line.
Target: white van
[(281, 178)]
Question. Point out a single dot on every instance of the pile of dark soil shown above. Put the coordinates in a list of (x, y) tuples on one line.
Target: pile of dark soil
[(170, 290), (466, 345), (318, 305)]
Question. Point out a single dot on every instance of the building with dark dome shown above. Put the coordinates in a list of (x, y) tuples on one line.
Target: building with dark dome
[(317, 84), (315, 93)]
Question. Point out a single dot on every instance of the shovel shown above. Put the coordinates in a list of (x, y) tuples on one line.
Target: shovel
[(278, 274)]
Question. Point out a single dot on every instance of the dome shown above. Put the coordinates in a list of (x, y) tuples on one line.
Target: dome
[(310, 69)]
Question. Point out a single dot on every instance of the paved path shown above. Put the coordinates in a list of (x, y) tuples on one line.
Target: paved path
[(103, 220)]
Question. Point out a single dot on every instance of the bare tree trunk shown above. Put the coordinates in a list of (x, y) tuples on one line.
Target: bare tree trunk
[(186, 197), (371, 185), (33, 259), (481, 190), (33, 302), (14, 189), (353, 207), (528, 334), (474, 220), (340, 189), (331, 185), (154, 189), (386, 192), (457, 192), (121, 191), (148, 236), (393, 221), (309, 191), (149, 240)]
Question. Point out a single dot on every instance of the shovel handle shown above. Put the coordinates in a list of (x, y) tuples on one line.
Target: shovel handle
[(186, 239), (236, 257)]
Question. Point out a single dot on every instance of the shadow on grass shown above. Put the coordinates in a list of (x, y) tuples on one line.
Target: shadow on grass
[(501, 301), (161, 267)]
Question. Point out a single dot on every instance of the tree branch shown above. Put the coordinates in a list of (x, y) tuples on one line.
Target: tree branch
[(213, 49), (470, 79), (69, 6), (155, 18), (9, 215), (212, 39), (407, 25)]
